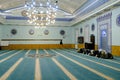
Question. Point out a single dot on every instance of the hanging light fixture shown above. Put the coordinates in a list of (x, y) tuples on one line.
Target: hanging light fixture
[(41, 13)]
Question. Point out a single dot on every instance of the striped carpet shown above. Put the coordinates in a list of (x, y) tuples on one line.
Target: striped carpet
[(56, 64)]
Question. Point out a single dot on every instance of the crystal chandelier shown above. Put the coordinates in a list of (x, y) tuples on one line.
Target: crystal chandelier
[(41, 13)]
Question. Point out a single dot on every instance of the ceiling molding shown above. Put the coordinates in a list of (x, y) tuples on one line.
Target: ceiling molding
[(96, 12)]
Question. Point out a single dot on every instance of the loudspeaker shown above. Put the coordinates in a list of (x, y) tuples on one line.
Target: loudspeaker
[(81, 39)]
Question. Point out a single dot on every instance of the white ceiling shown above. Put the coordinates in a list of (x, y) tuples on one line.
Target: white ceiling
[(67, 8)]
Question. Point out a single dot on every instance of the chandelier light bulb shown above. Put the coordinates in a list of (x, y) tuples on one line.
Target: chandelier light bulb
[(47, 12), (40, 4), (31, 6), (41, 15), (25, 5), (47, 3), (34, 3)]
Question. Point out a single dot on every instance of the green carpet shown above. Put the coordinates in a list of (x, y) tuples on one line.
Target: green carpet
[(50, 70)]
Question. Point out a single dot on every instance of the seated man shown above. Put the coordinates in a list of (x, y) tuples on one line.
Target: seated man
[(61, 43)]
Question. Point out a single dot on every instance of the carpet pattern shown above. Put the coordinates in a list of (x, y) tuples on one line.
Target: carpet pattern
[(56, 64)]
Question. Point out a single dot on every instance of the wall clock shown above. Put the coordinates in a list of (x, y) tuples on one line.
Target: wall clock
[(118, 20), (31, 31), (13, 31)]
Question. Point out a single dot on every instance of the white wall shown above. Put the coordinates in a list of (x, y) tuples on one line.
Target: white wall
[(115, 27), (88, 22), (2, 19), (23, 33), (54, 32)]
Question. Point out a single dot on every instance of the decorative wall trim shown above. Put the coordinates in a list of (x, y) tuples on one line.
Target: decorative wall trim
[(13, 31), (31, 31), (104, 17), (92, 27), (30, 39), (104, 32), (81, 30), (62, 32), (118, 20), (25, 18), (116, 50), (81, 46), (36, 46), (46, 32)]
